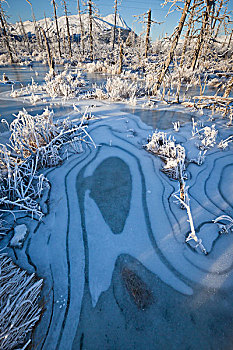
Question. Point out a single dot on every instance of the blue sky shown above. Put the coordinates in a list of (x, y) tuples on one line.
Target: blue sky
[(127, 9)]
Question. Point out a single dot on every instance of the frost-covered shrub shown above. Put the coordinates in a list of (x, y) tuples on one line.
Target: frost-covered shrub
[(120, 89), (65, 84), (172, 154), (30, 133), (101, 67), (151, 79), (35, 142), (207, 135), (30, 89), (223, 144), (227, 227), (19, 293), (99, 93)]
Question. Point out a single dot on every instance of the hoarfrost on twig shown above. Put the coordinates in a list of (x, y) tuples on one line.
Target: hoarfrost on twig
[(20, 311)]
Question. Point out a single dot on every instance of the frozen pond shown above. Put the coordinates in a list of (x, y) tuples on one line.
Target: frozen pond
[(117, 273), (158, 119)]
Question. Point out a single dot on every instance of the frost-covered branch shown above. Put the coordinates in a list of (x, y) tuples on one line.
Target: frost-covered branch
[(19, 293), (224, 228), (35, 142), (192, 235), (171, 153)]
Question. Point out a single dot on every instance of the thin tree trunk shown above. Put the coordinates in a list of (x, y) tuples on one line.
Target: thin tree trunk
[(57, 29), (5, 36), (90, 29), (199, 41), (50, 58), (173, 46), (119, 37), (24, 34), (186, 40), (217, 14), (68, 28), (120, 59), (220, 21), (201, 36), (229, 42), (52, 49), (148, 32), (81, 27), (64, 40), (11, 39), (46, 25), (36, 30), (114, 28)]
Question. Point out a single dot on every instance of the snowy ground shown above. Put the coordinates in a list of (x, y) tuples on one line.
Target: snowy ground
[(111, 210)]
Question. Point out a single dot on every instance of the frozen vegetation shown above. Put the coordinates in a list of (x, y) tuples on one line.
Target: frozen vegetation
[(116, 184)]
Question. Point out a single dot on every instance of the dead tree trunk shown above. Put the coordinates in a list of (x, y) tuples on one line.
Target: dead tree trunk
[(120, 59), (38, 38), (68, 28), (221, 20), (81, 27), (5, 36), (24, 34), (201, 36), (46, 25), (148, 32), (230, 38), (186, 40), (178, 31), (199, 42), (90, 28), (10, 38), (217, 14), (57, 29), (114, 28), (49, 56)]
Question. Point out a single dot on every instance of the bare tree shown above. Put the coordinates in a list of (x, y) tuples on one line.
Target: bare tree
[(148, 32), (230, 38), (217, 14), (68, 28), (26, 40), (186, 40), (5, 36), (175, 41), (49, 55), (81, 27), (46, 25), (115, 20), (57, 29), (90, 28), (120, 59), (200, 39), (37, 34)]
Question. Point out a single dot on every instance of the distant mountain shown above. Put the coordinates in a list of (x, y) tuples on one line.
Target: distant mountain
[(100, 24), (120, 21)]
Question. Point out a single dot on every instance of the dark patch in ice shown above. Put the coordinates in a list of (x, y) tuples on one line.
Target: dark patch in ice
[(137, 288), (111, 189)]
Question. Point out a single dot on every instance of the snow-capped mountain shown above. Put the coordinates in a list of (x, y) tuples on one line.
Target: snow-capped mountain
[(100, 24)]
